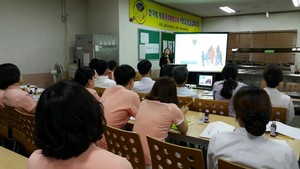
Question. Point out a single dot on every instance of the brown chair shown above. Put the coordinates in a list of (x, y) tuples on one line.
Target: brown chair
[(182, 101), (167, 155), (219, 107), (126, 144), (279, 114), (4, 123), (292, 87), (138, 76), (142, 95), (224, 164), (23, 128), (100, 90)]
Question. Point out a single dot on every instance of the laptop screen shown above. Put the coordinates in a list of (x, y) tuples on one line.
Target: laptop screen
[(205, 81)]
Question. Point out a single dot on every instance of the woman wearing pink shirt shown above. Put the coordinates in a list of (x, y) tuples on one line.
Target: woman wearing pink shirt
[(68, 122), (86, 77), (158, 112), (14, 96)]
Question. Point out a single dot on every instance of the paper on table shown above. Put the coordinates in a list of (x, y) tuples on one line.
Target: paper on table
[(214, 128), (285, 130)]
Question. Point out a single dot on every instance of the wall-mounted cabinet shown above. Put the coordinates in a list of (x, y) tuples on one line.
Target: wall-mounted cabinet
[(263, 39)]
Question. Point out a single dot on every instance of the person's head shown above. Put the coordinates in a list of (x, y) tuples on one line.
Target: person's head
[(112, 65), (124, 75), (101, 66), (144, 67), (164, 90), (273, 75), (10, 75), (229, 74), (67, 120), (167, 51), (85, 76), (180, 75), (93, 63), (253, 108), (230, 71)]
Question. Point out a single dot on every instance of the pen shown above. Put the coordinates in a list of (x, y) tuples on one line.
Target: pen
[(192, 101)]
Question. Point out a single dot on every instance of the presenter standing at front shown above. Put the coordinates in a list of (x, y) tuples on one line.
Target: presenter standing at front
[(165, 59)]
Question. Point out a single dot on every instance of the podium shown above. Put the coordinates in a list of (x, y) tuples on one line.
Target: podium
[(166, 70)]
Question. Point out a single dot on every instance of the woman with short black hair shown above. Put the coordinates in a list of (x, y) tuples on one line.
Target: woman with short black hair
[(68, 122)]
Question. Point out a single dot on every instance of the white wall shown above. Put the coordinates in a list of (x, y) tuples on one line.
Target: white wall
[(280, 21), (103, 17), (32, 33), (128, 34)]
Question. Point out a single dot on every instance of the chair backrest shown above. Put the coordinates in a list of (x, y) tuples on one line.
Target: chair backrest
[(279, 114), (126, 144), (219, 107), (138, 76), (141, 95), (4, 123), (224, 164), (23, 129), (292, 87), (184, 101), (167, 155), (100, 90)]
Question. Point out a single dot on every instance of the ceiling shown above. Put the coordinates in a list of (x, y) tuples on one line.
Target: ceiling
[(210, 8)]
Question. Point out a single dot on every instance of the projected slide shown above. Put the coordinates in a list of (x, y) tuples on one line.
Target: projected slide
[(202, 52)]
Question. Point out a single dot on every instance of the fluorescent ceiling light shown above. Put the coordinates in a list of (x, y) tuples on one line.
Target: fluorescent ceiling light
[(227, 9), (296, 3), (294, 49)]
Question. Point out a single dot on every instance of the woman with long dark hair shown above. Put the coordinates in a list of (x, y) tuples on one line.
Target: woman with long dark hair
[(226, 89)]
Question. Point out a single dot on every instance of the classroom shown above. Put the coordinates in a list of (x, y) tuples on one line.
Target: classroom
[(37, 35)]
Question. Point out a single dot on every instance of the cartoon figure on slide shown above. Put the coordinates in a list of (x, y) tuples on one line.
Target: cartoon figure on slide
[(206, 57), (218, 58)]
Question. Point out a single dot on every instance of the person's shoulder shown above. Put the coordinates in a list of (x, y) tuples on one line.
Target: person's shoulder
[(241, 84), (218, 82), (34, 158), (109, 159), (278, 147), (111, 81)]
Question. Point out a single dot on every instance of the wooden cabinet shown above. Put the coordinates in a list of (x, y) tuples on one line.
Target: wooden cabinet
[(262, 39)]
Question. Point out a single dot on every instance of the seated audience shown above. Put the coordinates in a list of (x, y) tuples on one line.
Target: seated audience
[(180, 75), (273, 75), (111, 67), (146, 83), (247, 144), (120, 102), (226, 89), (101, 67), (68, 122), (158, 112), (13, 96), (86, 77)]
